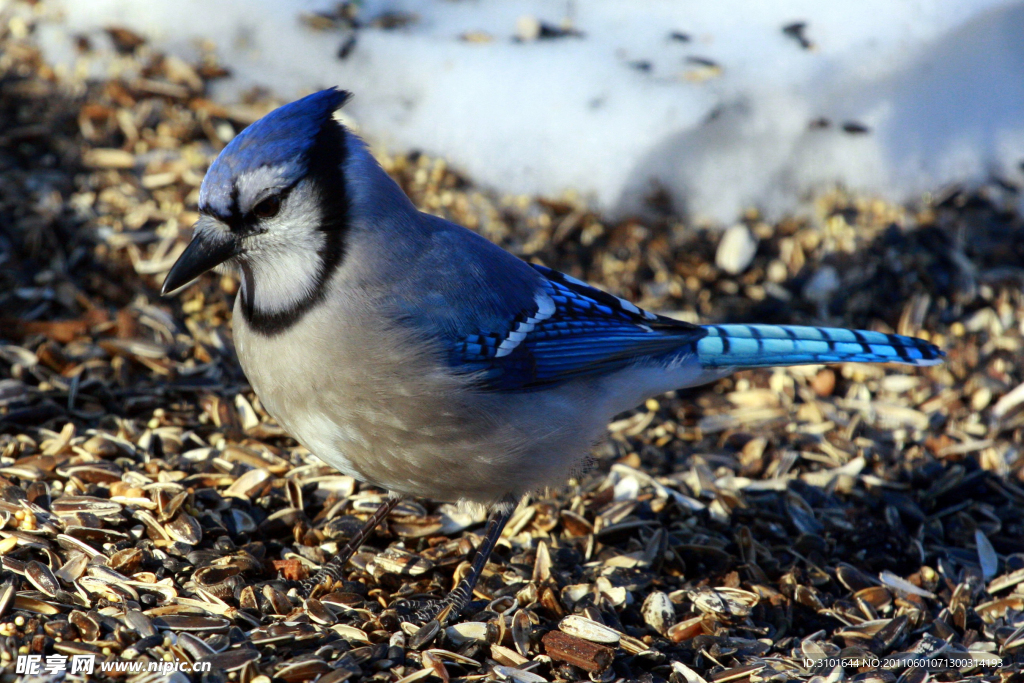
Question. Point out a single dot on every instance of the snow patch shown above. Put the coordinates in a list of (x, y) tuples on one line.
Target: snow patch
[(893, 99)]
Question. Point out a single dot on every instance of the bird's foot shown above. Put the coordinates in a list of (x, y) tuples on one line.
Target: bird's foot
[(431, 619), (333, 571), (441, 611), (448, 609), (315, 587), (324, 580), (444, 611)]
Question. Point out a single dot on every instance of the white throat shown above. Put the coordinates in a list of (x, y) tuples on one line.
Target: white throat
[(281, 267), (280, 283)]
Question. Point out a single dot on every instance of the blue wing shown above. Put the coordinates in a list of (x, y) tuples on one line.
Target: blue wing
[(570, 330)]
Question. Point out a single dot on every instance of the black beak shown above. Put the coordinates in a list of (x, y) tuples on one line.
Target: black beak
[(212, 244)]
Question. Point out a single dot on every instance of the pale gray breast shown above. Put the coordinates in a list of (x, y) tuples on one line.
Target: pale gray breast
[(386, 411), (365, 400)]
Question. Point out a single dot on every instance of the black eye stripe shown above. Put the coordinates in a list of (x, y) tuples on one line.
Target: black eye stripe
[(247, 223)]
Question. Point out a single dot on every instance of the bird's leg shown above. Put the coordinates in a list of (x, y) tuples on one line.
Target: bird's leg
[(332, 571), (456, 601)]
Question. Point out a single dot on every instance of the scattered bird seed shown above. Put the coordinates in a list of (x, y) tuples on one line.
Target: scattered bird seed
[(149, 506)]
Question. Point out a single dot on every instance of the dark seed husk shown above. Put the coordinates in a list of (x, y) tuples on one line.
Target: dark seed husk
[(96, 536), (305, 670), (191, 623), (138, 621), (7, 593), (185, 528), (318, 613), (231, 660), (195, 646), (40, 576), (87, 625), (29, 604), (99, 507), (424, 634)]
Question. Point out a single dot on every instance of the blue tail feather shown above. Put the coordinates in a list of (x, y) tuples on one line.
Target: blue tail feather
[(759, 346)]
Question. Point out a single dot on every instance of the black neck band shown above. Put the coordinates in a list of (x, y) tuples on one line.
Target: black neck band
[(326, 162)]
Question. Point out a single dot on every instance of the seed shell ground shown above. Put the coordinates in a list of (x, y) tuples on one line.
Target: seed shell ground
[(759, 529)]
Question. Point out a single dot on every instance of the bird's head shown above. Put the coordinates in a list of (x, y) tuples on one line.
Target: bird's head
[(274, 205)]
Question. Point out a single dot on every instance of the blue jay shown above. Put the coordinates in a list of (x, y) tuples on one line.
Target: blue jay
[(415, 355)]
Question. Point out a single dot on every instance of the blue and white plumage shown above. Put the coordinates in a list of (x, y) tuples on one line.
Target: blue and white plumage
[(414, 354)]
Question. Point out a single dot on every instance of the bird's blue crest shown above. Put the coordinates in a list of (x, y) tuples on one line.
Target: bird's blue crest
[(282, 138)]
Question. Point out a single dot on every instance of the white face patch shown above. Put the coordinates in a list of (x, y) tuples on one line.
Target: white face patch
[(284, 257), (545, 309), (257, 184)]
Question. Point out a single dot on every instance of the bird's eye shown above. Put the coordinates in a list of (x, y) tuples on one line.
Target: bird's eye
[(268, 208)]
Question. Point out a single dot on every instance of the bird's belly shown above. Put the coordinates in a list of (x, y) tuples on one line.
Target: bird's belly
[(420, 448), (410, 427)]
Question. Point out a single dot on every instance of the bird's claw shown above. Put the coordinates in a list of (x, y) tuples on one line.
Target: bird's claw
[(441, 611)]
